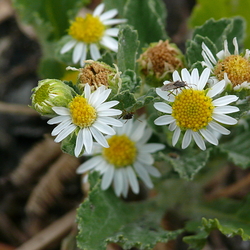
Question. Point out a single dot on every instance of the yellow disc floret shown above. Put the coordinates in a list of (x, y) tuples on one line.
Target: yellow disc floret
[(83, 114), (121, 152), (192, 109), (236, 67), (88, 30)]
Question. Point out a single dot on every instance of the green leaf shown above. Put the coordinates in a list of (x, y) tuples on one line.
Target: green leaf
[(238, 149), (125, 98), (147, 13), (54, 13), (213, 33), (146, 99), (206, 9), (127, 48), (69, 143), (189, 163), (103, 218)]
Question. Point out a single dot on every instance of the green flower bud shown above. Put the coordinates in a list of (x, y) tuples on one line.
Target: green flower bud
[(50, 93), (159, 61)]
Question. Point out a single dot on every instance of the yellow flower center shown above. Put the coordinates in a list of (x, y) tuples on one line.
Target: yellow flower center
[(192, 109), (236, 67), (88, 30), (121, 152), (83, 114)]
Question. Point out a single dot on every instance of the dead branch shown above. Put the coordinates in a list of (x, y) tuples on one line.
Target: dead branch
[(51, 185), (17, 109), (35, 160), (52, 234)]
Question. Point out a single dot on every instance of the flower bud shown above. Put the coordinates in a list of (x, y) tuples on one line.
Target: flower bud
[(50, 93), (159, 61)]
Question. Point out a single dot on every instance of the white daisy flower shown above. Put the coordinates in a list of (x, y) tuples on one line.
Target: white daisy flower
[(127, 157), (92, 32), (233, 68), (193, 109), (88, 116)]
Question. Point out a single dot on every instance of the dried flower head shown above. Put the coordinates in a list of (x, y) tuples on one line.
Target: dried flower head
[(161, 59)]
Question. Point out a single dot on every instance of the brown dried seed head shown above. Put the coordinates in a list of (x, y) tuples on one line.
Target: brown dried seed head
[(162, 58), (95, 74)]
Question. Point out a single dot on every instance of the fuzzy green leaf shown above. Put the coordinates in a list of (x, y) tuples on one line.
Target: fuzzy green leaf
[(127, 48), (213, 33), (230, 217), (206, 9), (238, 149), (103, 218), (148, 18), (189, 163), (54, 13)]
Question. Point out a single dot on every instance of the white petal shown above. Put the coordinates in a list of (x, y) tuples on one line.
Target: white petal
[(108, 14), (199, 141), (225, 110), (147, 134), (163, 107), (145, 158), (151, 147), (176, 136), (87, 91), (236, 48), (138, 131), (125, 183), (132, 180), (143, 174), (79, 143), (110, 121), (99, 137), (203, 79), (114, 21), (209, 136), (217, 127), (61, 127), (88, 165), (207, 61), (84, 55), (164, 120), (77, 53), (63, 134), (99, 9), (94, 52), (152, 170), (225, 100), (165, 95), (209, 53), (225, 119), (176, 76), (112, 32), (106, 105), (58, 119), (107, 177), (109, 112), (186, 139), (226, 51), (216, 89), (61, 110), (104, 128), (194, 78), (118, 182), (185, 75), (110, 43), (98, 98), (68, 46), (87, 140), (172, 126)]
